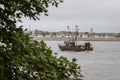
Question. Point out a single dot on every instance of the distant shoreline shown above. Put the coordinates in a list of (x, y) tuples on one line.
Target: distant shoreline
[(79, 39)]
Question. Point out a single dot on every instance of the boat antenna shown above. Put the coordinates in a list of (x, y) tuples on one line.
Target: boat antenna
[(68, 33)]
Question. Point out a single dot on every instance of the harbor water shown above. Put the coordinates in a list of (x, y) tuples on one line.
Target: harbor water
[(103, 63)]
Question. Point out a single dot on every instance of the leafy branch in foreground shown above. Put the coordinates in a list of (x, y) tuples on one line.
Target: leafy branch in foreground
[(22, 58)]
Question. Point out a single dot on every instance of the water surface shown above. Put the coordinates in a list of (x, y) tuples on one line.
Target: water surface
[(103, 63)]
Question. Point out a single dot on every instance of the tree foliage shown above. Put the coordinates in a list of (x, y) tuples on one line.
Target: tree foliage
[(22, 58)]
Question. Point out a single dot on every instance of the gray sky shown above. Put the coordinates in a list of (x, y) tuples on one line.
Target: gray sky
[(101, 15)]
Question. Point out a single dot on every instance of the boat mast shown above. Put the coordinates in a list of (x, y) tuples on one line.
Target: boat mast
[(76, 33), (68, 33)]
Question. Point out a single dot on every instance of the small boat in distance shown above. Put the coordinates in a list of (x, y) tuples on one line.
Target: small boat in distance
[(71, 45)]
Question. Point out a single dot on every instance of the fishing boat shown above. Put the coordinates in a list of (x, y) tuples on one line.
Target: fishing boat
[(71, 45)]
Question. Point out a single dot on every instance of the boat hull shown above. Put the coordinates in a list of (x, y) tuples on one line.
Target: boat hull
[(76, 48)]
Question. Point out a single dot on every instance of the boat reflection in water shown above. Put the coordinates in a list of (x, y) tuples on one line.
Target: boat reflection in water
[(71, 45)]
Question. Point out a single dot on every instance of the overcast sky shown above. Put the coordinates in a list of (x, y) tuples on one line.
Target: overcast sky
[(101, 15)]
